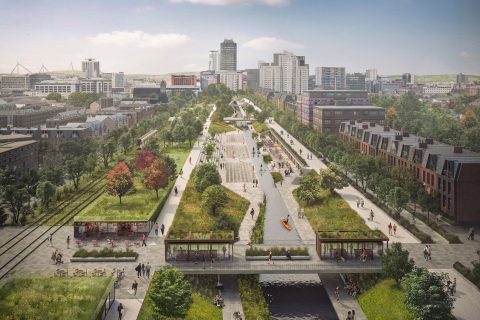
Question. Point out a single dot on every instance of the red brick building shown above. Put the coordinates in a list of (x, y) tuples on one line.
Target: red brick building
[(450, 170), (184, 80)]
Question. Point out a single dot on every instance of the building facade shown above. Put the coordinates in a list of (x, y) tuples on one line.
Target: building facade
[(449, 170), (437, 89), (64, 87), (18, 152), (371, 75), (28, 117), (184, 80), (15, 82), (207, 78), (327, 119), (213, 61), (91, 68), (234, 80), (330, 78), (228, 55), (355, 81), (253, 78)]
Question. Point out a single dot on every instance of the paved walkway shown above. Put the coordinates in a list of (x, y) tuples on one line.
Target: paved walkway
[(231, 297), (351, 195), (131, 308)]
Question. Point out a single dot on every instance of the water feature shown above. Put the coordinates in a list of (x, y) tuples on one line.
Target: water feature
[(297, 296)]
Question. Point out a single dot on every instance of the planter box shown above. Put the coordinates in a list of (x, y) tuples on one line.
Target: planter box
[(264, 258), (104, 259)]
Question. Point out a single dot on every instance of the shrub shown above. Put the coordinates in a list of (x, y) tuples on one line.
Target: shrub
[(267, 158), (206, 175), (104, 253), (257, 231), (467, 273), (276, 251), (277, 177), (214, 199), (225, 222)]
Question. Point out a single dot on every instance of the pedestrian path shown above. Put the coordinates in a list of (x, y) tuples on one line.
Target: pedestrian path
[(351, 195), (231, 297), (131, 308)]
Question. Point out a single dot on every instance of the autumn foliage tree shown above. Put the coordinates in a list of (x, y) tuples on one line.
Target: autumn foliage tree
[(156, 176), (119, 181), (143, 159)]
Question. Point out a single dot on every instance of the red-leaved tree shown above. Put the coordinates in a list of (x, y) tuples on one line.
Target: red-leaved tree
[(156, 176), (143, 159), (119, 181)]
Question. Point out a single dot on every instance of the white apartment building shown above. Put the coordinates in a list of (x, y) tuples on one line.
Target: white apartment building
[(234, 80), (288, 73), (440, 88), (214, 61), (64, 87), (98, 85), (371, 75), (91, 68), (330, 78)]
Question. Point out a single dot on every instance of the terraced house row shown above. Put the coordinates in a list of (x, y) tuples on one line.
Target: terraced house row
[(450, 170)]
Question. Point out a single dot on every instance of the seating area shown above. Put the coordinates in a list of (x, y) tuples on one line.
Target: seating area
[(110, 242)]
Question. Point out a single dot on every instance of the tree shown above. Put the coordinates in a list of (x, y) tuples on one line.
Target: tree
[(17, 200), (107, 149), (208, 149), (190, 134), (156, 176), (75, 170), (310, 190), (143, 159), (171, 165), (395, 262), (413, 188), (397, 198), (330, 181), (391, 116), (469, 119), (46, 192), (82, 99), (55, 96), (30, 180), (178, 132), (206, 175), (3, 216), (214, 198), (91, 163), (429, 202), (55, 174), (125, 141), (166, 136), (171, 293), (119, 181), (363, 169), (426, 295)]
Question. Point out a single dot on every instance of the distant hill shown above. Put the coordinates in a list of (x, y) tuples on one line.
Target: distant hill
[(434, 78)]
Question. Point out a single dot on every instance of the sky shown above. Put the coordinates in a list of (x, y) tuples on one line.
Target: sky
[(164, 36)]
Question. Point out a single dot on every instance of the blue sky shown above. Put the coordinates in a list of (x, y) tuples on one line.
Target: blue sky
[(143, 36)]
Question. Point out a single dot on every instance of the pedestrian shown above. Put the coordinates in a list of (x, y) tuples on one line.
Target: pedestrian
[(190, 160), (54, 256), (50, 239), (252, 212), (175, 190), (139, 270), (156, 229), (143, 270), (162, 229), (471, 234), (253, 184), (135, 287), (212, 260), (288, 217), (429, 252), (224, 249), (120, 311), (394, 229), (337, 293), (425, 252), (244, 188), (349, 315), (181, 172), (204, 260), (371, 215), (144, 237), (68, 242), (453, 288), (148, 267), (270, 256), (390, 229), (353, 314), (358, 203), (362, 203)]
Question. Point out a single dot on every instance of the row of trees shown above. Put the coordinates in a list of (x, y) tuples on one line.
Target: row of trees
[(186, 126), (313, 186)]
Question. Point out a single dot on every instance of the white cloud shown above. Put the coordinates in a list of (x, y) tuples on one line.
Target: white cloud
[(274, 3), (140, 39), (272, 43), (144, 9), (464, 55)]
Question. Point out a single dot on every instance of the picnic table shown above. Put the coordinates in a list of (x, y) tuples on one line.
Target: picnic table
[(60, 273), (80, 273)]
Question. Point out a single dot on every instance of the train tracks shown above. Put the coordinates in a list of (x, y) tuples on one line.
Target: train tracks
[(24, 243)]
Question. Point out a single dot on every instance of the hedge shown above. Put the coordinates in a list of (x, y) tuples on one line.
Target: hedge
[(104, 253), (467, 273), (276, 251)]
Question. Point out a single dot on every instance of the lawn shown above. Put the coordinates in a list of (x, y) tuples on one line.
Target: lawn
[(259, 127), (138, 205), (251, 294), (179, 153), (191, 217), (52, 298), (333, 213), (219, 127), (384, 301), (201, 308)]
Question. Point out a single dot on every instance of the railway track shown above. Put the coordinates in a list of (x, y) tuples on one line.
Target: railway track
[(30, 241)]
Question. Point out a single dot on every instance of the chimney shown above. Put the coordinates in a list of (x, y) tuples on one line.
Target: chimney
[(429, 140), (398, 136), (372, 124), (457, 149), (365, 126), (386, 128)]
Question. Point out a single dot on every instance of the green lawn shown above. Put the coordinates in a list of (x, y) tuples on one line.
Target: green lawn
[(219, 127), (179, 153), (384, 301), (201, 308), (251, 294), (259, 127), (137, 206), (52, 298), (191, 217)]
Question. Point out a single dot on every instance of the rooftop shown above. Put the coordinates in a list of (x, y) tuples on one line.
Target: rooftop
[(349, 107), (8, 146)]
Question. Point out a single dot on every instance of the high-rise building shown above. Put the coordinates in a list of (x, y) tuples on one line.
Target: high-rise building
[(118, 80), (355, 81), (287, 73), (233, 80), (228, 55), (213, 61), (91, 68), (408, 78), (462, 78), (253, 78), (371, 75), (330, 78)]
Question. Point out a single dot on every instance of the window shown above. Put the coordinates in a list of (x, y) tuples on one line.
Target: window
[(338, 113)]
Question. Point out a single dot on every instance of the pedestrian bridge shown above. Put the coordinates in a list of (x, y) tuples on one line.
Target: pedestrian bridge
[(278, 267)]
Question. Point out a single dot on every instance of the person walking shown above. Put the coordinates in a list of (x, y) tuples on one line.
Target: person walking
[(181, 172), (371, 215), (120, 311), (288, 218), (135, 287), (252, 212), (390, 229), (144, 237), (425, 252), (190, 160), (429, 252), (204, 260), (50, 239), (224, 249), (175, 190), (139, 270), (349, 315), (256, 182), (244, 188), (471, 234), (212, 260), (162, 229), (270, 256), (253, 184), (362, 203), (148, 267), (143, 270), (394, 229), (68, 242), (358, 203), (156, 229), (337, 293), (353, 314)]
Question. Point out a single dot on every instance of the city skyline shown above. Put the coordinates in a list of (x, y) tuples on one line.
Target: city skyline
[(431, 37)]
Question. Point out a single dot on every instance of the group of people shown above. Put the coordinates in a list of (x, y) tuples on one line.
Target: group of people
[(57, 257), (427, 252), (352, 289), (452, 286), (363, 254), (143, 270), (162, 229), (392, 229), (218, 301), (360, 203)]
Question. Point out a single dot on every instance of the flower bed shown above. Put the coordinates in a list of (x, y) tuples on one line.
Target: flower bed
[(104, 253)]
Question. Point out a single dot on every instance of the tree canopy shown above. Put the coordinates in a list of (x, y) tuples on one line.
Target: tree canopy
[(119, 181), (396, 263), (206, 175)]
